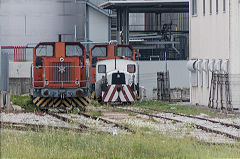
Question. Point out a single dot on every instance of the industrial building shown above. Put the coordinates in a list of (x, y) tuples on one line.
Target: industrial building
[(214, 53), (27, 23)]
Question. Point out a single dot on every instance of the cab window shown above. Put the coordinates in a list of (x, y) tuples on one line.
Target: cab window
[(99, 51), (44, 50), (74, 50), (102, 69), (125, 51), (131, 68)]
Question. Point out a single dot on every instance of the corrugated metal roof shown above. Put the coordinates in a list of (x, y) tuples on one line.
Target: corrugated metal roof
[(149, 6)]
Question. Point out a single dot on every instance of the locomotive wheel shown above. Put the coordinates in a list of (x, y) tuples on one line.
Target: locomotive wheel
[(50, 103)]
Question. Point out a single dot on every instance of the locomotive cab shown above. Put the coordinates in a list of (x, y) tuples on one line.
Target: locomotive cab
[(59, 75)]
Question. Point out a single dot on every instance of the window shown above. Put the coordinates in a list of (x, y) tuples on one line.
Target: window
[(44, 50), (99, 51), (224, 5), (194, 7), (74, 50), (131, 68), (216, 6), (210, 6), (102, 69), (124, 51), (204, 7)]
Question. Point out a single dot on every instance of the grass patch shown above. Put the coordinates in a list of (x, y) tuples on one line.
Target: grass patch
[(24, 102), (59, 144), (96, 113), (161, 106), (132, 114), (95, 103)]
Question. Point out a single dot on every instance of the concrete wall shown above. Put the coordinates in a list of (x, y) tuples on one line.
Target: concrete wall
[(32, 21), (19, 86), (20, 69), (179, 75), (19, 77)]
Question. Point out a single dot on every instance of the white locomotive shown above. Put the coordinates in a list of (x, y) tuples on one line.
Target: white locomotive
[(117, 81)]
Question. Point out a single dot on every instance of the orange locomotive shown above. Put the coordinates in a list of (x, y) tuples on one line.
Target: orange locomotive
[(59, 75)]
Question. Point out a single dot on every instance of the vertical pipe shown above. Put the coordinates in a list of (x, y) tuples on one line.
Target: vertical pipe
[(75, 32), (118, 26)]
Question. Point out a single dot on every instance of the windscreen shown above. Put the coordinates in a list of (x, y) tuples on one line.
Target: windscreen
[(74, 50), (99, 52), (125, 51), (44, 50)]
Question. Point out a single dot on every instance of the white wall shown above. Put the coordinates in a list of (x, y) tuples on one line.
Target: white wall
[(209, 33), (19, 69), (209, 39), (98, 26), (179, 75), (33, 21)]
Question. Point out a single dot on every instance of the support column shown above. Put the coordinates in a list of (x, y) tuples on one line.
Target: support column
[(118, 26), (125, 19), (1, 100)]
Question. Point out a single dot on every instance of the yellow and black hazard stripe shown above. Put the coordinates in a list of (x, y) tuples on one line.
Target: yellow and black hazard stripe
[(58, 102), (93, 95)]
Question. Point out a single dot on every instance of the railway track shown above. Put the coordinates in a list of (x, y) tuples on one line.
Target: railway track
[(68, 120), (230, 130), (35, 127), (79, 127), (200, 118), (108, 122)]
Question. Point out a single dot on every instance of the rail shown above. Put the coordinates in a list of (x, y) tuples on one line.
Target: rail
[(199, 126)]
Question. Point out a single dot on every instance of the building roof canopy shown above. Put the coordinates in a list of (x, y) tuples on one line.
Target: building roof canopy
[(150, 6)]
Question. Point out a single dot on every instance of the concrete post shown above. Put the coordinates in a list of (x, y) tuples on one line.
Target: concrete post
[(1, 100), (8, 105)]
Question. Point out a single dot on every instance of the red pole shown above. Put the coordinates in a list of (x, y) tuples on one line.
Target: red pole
[(14, 53), (17, 53), (20, 53), (25, 54)]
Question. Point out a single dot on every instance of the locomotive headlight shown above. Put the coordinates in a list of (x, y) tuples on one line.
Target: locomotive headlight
[(77, 82), (45, 92), (61, 59)]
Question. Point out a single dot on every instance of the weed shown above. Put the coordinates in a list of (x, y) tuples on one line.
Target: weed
[(95, 103), (24, 102), (132, 114), (96, 113)]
